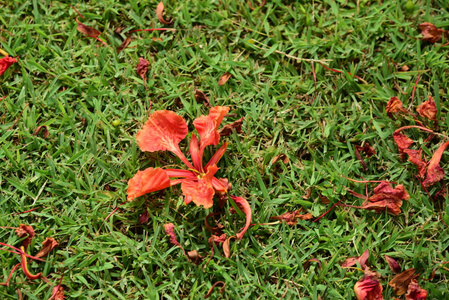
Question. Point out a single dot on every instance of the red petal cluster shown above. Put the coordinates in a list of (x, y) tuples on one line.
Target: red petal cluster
[(5, 63)]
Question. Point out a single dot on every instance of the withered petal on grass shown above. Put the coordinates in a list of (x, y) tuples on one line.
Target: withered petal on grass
[(123, 45), (170, 231), (25, 231), (260, 6), (352, 261), (393, 264), (142, 68), (369, 288), (402, 141), (428, 109), (42, 128), (414, 156), (144, 217), (222, 289), (48, 245), (89, 31), (291, 218), (224, 78), (430, 32), (227, 129), (400, 282), (415, 292), (394, 105), (58, 293), (5, 63), (201, 97), (434, 172), (160, 14)]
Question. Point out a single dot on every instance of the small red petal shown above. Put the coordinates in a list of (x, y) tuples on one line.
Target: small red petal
[(5, 63), (434, 172), (428, 109), (368, 288)]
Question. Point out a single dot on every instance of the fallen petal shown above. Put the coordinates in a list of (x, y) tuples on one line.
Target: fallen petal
[(434, 172), (222, 289), (170, 231), (44, 129), (369, 288), (124, 44), (400, 282), (352, 261), (402, 141), (147, 181), (428, 109), (89, 31), (144, 217), (394, 105), (25, 231), (201, 97), (291, 218), (414, 156), (244, 206), (415, 292), (393, 264), (229, 128), (48, 245), (430, 32), (160, 14), (142, 68), (224, 78)]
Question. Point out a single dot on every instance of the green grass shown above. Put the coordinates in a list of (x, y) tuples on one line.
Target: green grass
[(75, 178)]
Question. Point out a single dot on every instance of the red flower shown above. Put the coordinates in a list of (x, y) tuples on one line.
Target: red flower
[(163, 131), (5, 63)]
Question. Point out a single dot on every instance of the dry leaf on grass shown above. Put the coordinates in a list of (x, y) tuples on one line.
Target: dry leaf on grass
[(224, 78), (160, 14)]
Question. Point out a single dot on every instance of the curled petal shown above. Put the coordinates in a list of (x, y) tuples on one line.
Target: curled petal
[(393, 264), (170, 231), (200, 191), (244, 206), (434, 172), (5, 63), (219, 184), (430, 32), (402, 141), (207, 126), (159, 13), (394, 105), (48, 245), (400, 282), (428, 109), (147, 181), (414, 156)]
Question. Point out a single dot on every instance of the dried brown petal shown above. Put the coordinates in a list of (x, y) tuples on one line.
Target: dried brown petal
[(292, 217), (89, 31), (25, 231), (222, 289), (201, 97), (261, 4), (48, 245), (224, 78), (400, 282), (124, 44), (430, 32), (393, 264), (284, 158), (58, 293), (160, 14), (227, 129), (394, 105), (44, 129), (402, 141), (194, 257), (428, 109), (144, 217)]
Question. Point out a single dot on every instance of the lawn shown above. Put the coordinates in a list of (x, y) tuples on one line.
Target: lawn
[(311, 80)]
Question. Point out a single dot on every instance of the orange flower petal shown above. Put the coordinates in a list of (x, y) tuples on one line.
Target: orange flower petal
[(217, 156), (48, 245), (200, 191), (207, 126), (163, 131), (394, 105), (402, 141), (414, 156), (244, 206), (147, 181), (434, 172), (428, 109), (195, 154)]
